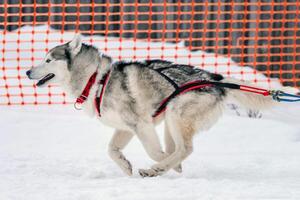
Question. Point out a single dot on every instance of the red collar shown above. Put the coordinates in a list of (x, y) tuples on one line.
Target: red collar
[(98, 99)]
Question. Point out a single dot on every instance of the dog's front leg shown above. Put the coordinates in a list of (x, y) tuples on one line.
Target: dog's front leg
[(118, 142)]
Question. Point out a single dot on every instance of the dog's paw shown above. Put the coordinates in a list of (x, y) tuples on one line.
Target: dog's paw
[(151, 172), (178, 168), (126, 166), (148, 173)]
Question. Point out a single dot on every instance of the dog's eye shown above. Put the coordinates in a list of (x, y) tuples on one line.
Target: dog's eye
[(48, 60)]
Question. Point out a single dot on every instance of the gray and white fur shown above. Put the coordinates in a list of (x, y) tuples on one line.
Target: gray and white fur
[(134, 92)]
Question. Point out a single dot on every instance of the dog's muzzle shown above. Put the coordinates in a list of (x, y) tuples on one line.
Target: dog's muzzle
[(42, 80)]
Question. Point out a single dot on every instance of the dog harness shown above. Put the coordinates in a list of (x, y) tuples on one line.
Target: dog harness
[(178, 90), (183, 87), (99, 93)]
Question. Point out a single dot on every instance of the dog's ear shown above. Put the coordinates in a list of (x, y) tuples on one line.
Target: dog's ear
[(75, 44), (106, 61)]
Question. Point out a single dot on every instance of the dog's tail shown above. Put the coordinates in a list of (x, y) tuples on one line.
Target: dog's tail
[(248, 99)]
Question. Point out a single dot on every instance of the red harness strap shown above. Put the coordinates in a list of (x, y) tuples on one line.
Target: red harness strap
[(98, 99), (255, 90), (194, 85), (84, 95)]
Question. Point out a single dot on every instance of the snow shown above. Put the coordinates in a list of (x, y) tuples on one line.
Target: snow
[(57, 153)]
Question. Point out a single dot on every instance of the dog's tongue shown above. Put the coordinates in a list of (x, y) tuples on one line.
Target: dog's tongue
[(45, 79)]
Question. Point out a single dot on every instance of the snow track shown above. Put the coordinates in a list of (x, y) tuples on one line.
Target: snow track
[(56, 153)]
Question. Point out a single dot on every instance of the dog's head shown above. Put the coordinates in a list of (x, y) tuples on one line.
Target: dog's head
[(55, 67)]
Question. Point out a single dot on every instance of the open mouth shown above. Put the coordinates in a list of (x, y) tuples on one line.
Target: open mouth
[(45, 79)]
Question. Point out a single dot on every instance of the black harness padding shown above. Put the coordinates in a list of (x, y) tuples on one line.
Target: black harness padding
[(159, 71), (226, 85)]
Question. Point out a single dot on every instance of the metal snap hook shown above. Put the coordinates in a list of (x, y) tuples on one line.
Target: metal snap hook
[(77, 107)]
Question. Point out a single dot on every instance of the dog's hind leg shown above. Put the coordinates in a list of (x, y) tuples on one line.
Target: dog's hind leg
[(183, 147), (184, 117), (118, 142), (170, 146), (148, 137)]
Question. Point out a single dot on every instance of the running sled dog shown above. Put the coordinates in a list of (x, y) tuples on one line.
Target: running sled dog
[(133, 97)]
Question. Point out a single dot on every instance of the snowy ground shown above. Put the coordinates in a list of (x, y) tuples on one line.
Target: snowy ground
[(57, 153)]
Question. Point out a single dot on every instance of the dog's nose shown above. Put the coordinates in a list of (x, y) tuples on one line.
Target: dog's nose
[(28, 73)]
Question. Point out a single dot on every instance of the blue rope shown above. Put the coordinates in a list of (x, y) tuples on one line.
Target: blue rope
[(277, 96)]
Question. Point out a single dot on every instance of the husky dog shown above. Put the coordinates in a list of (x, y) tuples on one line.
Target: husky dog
[(133, 93)]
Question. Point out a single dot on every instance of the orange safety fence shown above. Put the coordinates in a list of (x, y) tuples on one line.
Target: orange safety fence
[(264, 35)]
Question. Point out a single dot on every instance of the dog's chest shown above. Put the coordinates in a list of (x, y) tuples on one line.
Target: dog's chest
[(113, 119)]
